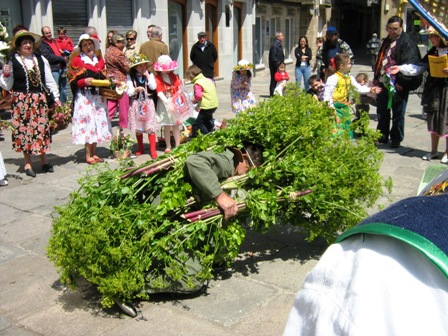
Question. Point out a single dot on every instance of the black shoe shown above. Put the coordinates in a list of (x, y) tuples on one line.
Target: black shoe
[(395, 144), (30, 172), (48, 168)]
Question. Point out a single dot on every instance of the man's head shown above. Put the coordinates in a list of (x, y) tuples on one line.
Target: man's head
[(279, 36), (331, 36), (394, 27), (46, 33), (202, 37), (156, 33), (89, 30), (249, 157), (149, 31)]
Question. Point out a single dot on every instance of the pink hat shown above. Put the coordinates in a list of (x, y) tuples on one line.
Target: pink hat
[(165, 63)]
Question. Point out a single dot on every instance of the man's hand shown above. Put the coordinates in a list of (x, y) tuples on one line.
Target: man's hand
[(394, 69), (227, 204)]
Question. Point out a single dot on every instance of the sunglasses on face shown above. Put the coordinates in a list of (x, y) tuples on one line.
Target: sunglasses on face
[(130, 38)]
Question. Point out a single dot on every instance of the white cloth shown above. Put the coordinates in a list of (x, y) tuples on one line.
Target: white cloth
[(371, 285)]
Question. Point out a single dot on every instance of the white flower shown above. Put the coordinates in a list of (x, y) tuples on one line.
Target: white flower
[(3, 46)]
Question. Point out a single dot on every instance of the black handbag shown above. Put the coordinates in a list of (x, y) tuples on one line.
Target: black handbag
[(49, 96), (409, 83)]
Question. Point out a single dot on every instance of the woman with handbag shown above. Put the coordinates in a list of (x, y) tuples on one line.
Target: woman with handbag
[(90, 123), (141, 85), (29, 77)]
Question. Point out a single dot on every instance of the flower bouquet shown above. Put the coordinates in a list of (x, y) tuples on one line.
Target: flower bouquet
[(5, 50), (121, 145), (60, 117)]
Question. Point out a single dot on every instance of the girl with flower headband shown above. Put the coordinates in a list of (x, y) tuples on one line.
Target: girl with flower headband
[(241, 87), (142, 113), (167, 84)]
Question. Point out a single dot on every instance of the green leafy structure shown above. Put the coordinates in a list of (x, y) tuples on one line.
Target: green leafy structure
[(123, 233)]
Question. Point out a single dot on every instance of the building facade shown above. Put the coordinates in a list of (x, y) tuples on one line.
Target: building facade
[(239, 29)]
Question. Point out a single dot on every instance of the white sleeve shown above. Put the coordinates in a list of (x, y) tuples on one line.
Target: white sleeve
[(413, 69), (49, 80), (152, 82), (359, 88), (130, 91), (7, 82), (330, 85)]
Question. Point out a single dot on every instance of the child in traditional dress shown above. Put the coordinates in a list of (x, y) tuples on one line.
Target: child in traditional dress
[(337, 91), (168, 83), (142, 113), (241, 87)]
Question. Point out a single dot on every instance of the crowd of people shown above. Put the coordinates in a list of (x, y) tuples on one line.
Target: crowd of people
[(325, 74), (143, 77)]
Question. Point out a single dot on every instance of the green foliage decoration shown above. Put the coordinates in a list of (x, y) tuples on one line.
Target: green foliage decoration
[(125, 234)]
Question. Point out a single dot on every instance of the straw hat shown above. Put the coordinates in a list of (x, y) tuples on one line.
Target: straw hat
[(432, 31), (165, 63), (139, 59), (36, 38), (83, 37), (243, 65)]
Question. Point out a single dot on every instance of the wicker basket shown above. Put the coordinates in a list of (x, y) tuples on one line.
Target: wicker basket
[(184, 134), (109, 93)]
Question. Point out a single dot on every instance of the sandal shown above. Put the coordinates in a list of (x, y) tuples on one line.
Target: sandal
[(91, 161), (168, 150), (97, 159)]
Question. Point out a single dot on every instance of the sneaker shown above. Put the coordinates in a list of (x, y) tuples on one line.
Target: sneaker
[(3, 183), (430, 156), (395, 144), (444, 159)]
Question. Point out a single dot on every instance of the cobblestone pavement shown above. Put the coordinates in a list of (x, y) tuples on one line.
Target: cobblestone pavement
[(253, 298)]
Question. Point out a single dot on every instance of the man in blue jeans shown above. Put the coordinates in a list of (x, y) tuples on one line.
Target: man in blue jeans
[(398, 48), (49, 49)]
